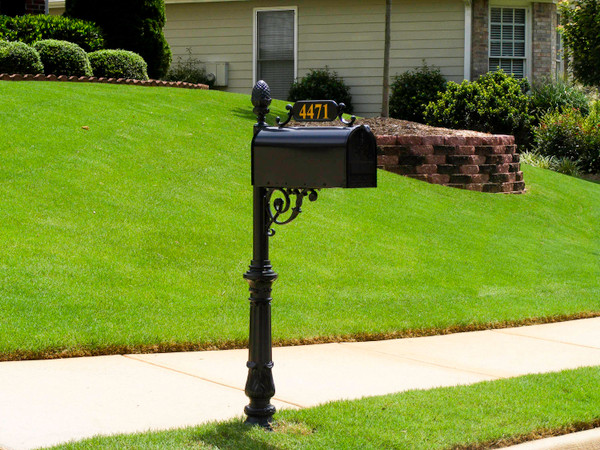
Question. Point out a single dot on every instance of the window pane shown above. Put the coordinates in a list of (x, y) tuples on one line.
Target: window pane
[(275, 50), (520, 16), (507, 32), (279, 75), (507, 49), (275, 34), (519, 49), (496, 15), (496, 32), (495, 49), (507, 15)]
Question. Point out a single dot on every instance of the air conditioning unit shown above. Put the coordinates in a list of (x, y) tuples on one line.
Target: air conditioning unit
[(219, 72)]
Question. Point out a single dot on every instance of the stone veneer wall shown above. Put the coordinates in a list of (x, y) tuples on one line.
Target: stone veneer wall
[(35, 7), (544, 40), (479, 38), (477, 163)]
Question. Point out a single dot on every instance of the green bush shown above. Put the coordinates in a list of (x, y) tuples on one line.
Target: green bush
[(322, 84), (118, 64), (33, 28), (189, 70), (135, 25), (561, 165), (568, 134), (549, 95), (581, 33), (494, 103), (63, 58), (412, 91), (17, 57)]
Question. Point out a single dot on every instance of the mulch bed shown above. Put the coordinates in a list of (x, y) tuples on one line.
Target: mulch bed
[(381, 126)]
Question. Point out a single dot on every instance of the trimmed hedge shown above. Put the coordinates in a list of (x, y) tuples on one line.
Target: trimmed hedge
[(494, 103), (135, 25), (118, 64), (413, 90), (63, 58), (33, 28), (18, 57)]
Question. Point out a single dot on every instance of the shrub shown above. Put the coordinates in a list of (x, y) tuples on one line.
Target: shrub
[(32, 28), (568, 134), (190, 71), (412, 91), (548, 96), (17, 57), (322, 84), (63, 58), (118, 64), (580, 25), (561, 165), (134, 25), (494, 103)]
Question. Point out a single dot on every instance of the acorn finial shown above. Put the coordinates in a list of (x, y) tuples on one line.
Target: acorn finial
[(261, 99)]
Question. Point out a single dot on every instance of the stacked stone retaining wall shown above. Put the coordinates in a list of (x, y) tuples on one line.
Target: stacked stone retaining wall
[(486, 163)]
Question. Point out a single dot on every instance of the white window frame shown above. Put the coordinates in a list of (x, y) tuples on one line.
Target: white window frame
[(528, 32), (255, 37)]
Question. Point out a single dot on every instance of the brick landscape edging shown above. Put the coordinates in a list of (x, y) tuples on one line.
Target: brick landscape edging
[(477, 163), (42, 77)]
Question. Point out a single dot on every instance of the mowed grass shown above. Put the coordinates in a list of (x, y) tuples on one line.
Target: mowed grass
[(134, 232), (484, 415)]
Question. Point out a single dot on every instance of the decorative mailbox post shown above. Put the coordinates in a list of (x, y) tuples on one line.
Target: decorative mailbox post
[(289, 164)]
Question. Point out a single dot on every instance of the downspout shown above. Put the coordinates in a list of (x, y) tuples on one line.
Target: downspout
[(468, 38)]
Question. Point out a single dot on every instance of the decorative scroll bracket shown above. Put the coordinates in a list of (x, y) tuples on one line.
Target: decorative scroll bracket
[(279, 207), (295, 113)]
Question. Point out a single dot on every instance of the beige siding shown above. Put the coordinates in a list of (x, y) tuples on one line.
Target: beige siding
[(346, 36)]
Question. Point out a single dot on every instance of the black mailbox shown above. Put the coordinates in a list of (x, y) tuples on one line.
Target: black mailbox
[(314, 157)]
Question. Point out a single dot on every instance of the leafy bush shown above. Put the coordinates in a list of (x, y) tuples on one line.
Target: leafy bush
[(135, 25), (580, 24), (412, 91), (561, 165), (118, 64), (32, 28), (549, 95), (494, 103), (63, 58), (322, 84), (17, 57), (190, 71), (568, 134)]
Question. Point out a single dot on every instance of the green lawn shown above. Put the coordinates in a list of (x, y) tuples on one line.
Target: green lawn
[(483, 415), (134, 234)]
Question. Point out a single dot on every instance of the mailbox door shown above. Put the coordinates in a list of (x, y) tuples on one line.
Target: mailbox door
[(362, 158)]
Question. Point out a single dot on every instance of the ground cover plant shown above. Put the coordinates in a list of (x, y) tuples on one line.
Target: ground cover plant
[(126, 226), (484, 415)]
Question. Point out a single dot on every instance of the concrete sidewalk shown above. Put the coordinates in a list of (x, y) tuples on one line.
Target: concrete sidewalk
[(48, 402)]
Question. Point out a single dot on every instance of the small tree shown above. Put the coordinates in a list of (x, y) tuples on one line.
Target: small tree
[(134, 25), (581, 32)]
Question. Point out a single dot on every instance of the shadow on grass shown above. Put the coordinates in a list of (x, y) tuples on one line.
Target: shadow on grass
[(243, 113), (234, 435)]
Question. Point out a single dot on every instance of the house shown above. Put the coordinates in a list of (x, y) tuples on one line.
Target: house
[(20, 7), (242, 41)]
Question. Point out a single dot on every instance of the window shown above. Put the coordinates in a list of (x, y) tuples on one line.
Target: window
[(276, 49), (508, 40)]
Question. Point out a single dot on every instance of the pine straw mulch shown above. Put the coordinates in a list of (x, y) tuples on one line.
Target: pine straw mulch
[(383, 126)]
